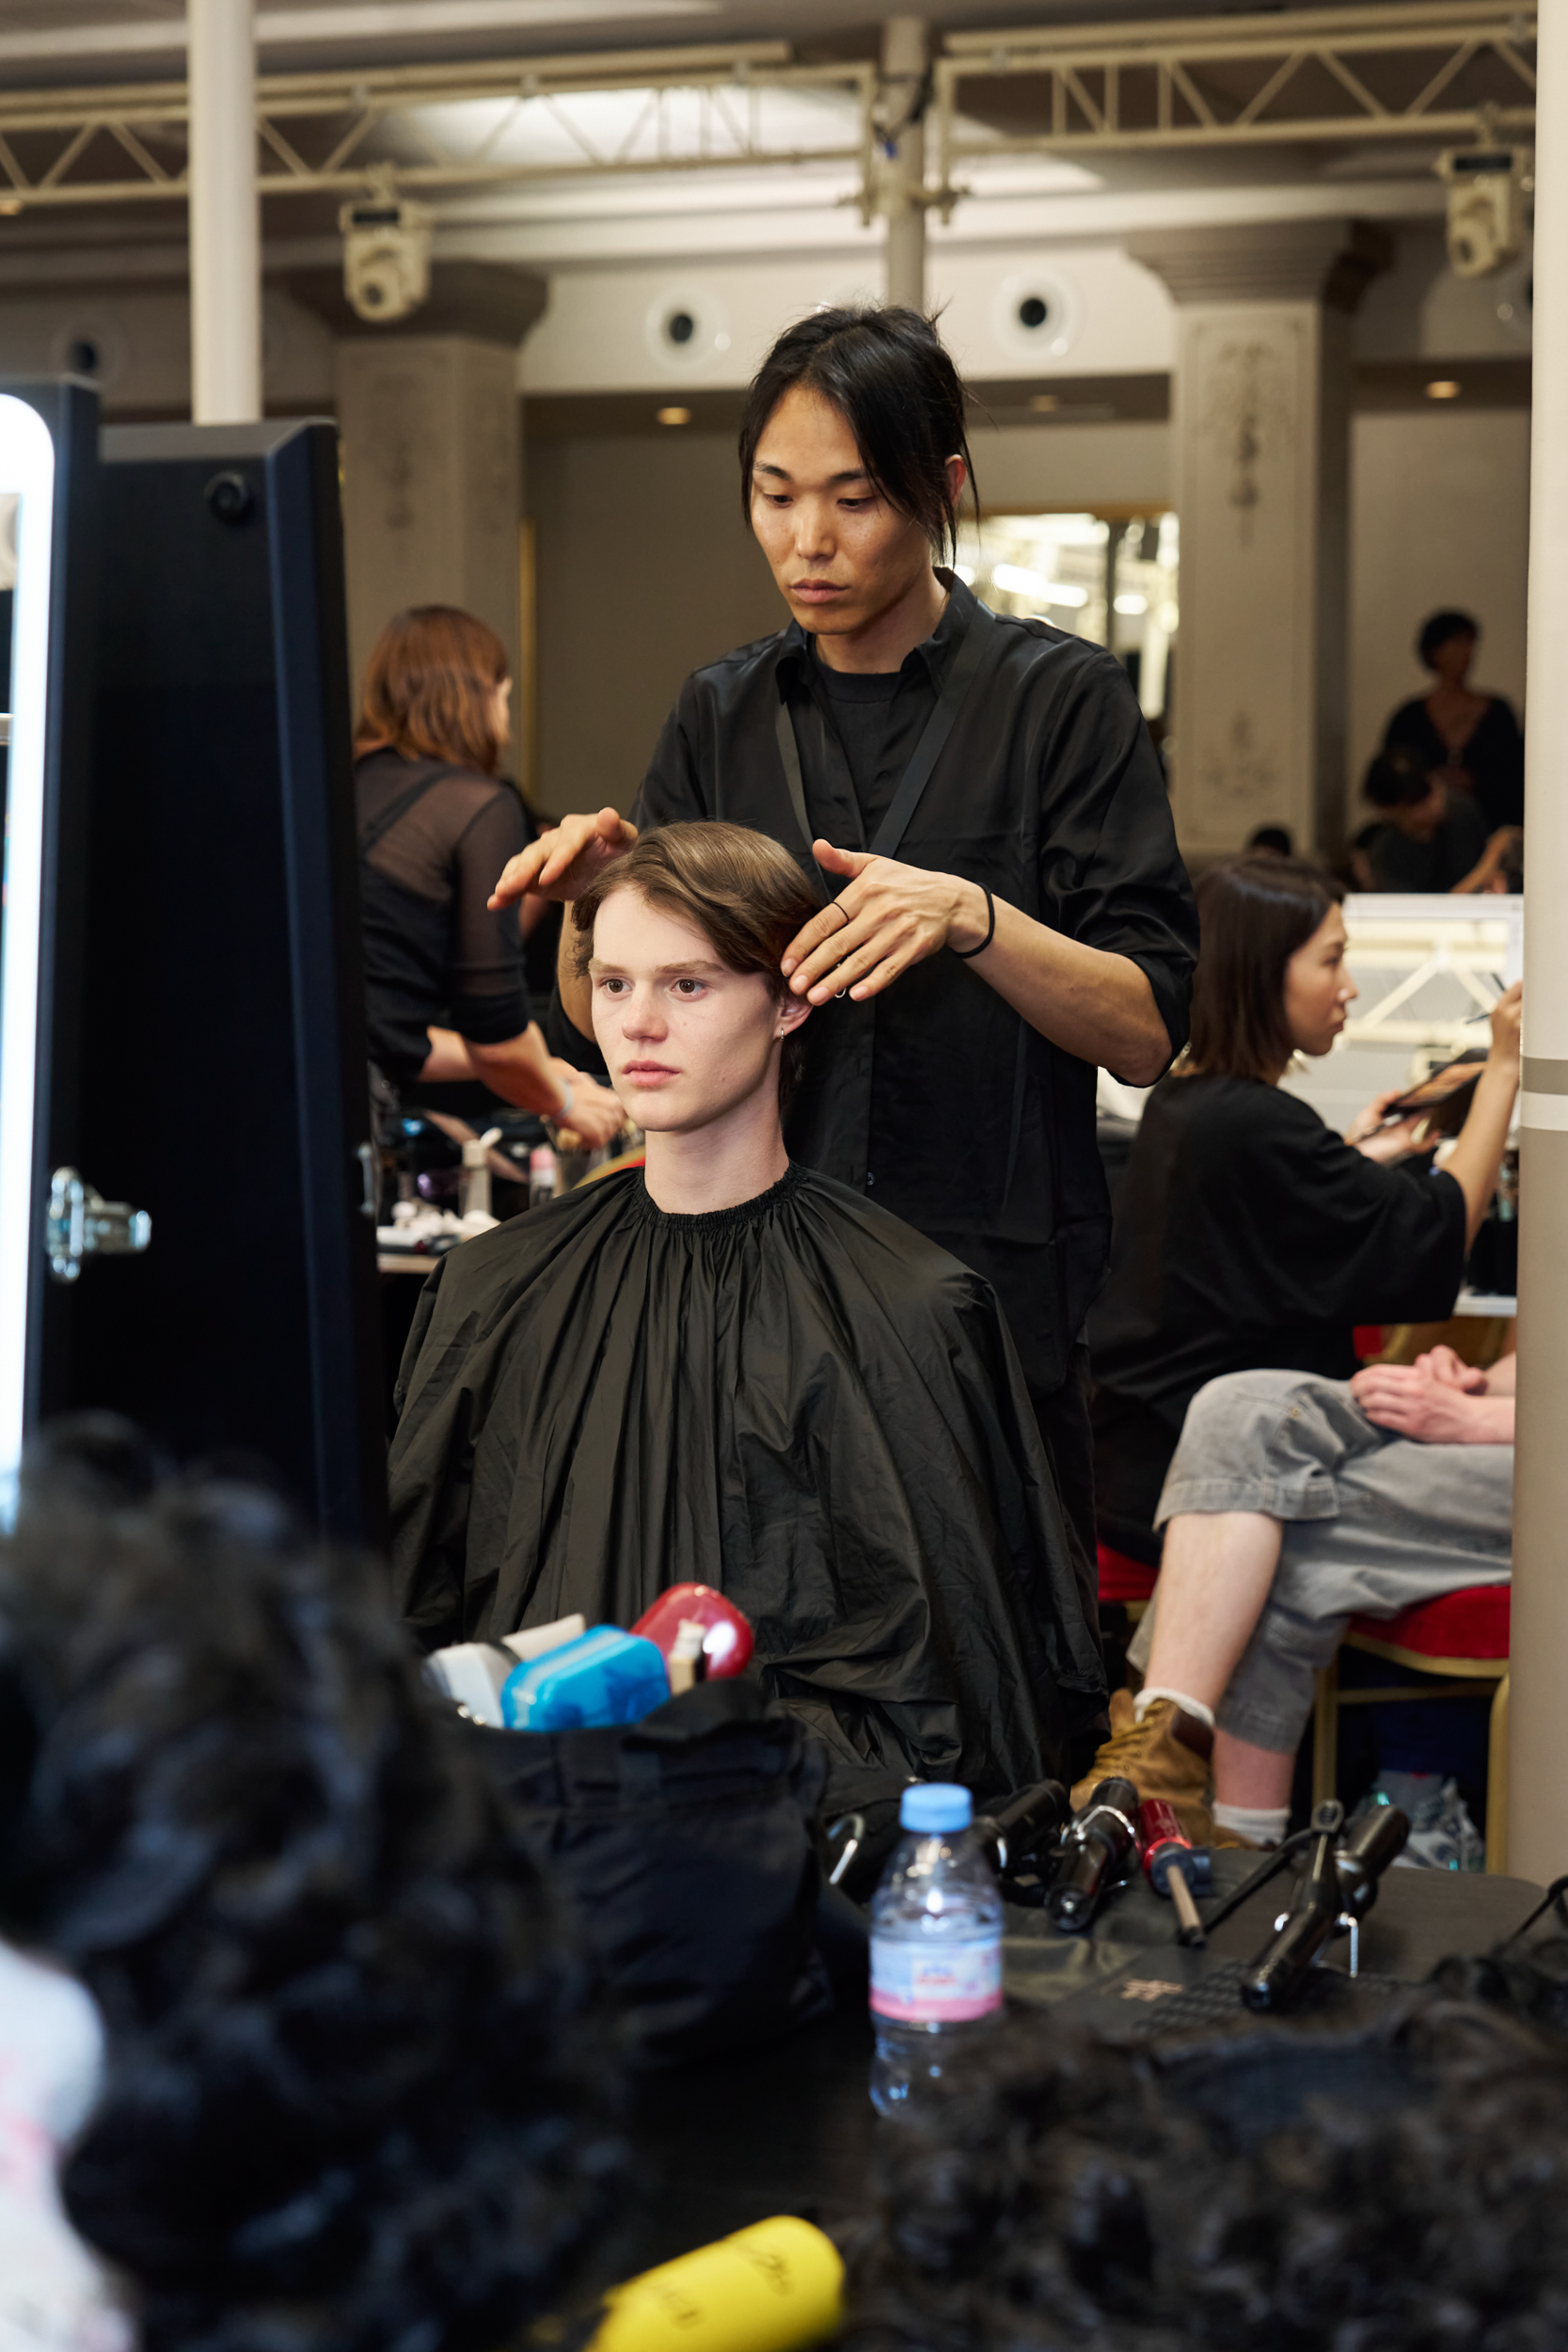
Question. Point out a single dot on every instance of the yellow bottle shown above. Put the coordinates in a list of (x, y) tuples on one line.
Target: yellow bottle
[(769, 2288)]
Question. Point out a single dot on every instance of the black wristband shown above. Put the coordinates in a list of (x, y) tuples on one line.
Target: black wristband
[(964, 954)]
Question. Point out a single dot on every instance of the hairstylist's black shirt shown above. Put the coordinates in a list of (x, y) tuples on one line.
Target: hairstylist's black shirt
[(937, 1097), (1249, 1235)]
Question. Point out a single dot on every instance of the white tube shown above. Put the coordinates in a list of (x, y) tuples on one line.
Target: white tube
[(1538, 1719), (225, 231), (904, 66)]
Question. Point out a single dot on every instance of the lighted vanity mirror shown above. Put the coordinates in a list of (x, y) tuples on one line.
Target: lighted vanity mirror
[(27, 551)]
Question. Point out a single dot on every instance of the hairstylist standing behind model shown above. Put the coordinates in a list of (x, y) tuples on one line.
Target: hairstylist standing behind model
[(982, 796)]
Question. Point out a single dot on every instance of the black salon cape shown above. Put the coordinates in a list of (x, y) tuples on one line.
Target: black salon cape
[(800, 1401)]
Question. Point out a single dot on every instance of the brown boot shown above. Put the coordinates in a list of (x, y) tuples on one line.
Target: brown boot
[(1166, 1754)]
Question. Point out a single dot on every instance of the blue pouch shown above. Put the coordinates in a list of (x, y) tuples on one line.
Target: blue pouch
[(604, 1677)]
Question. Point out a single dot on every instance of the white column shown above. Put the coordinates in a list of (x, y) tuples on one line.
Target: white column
[(904, 176), (226, 236), (1538, 1714)]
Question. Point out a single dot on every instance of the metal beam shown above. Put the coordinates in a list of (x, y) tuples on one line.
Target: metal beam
[(323, 133), (1425, 68)]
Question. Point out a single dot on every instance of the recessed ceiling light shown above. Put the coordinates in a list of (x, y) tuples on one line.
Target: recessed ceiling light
[(675, 416), (1044, 402), (9, 207), (1445, 388)]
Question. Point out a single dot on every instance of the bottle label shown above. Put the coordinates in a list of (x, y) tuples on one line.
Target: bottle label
[(939, 1984)]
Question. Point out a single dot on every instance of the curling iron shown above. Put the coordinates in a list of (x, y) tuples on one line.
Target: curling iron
[(1018, 1838), (1093, 1854), (1338, 1888)]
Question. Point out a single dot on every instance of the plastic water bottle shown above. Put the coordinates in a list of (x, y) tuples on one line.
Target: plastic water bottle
[(936, 1944)]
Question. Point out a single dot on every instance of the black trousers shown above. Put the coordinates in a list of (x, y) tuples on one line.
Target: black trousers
[(1066, 1431)]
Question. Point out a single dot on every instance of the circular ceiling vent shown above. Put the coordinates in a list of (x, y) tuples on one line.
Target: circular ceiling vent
[(686, 330), (1037, 313)]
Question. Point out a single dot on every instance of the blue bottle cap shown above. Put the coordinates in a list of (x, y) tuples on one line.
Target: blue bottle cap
[(936, 1804)]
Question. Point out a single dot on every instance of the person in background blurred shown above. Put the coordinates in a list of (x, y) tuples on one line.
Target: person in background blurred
[(1431, 837), (447, 1003), (1471, 738), (1248, 1235), (1269, 841)]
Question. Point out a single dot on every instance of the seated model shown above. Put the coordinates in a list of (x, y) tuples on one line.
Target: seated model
[(733, 1370), (1292, 1505)]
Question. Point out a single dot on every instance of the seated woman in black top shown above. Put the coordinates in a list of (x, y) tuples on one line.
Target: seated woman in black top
[(1471, 738), (1248, 1234), (446, 998)]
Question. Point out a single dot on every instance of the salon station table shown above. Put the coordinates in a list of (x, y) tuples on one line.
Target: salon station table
[(789, 2127)]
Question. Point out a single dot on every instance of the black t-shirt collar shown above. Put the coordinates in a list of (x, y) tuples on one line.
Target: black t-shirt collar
[(797, 652)]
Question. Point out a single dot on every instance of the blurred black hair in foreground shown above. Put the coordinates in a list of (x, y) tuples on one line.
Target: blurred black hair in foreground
[(1395, 2188), (350, 2097)]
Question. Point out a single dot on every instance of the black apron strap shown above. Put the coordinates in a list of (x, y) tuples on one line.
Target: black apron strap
[(917, 776), (789, 753), (938, 726)]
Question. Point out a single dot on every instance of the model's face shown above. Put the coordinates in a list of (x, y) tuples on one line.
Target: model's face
[(687, 1040), (841, 554), (1318, 988), (1451, 660)]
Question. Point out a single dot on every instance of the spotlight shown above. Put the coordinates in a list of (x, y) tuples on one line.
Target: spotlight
[(1486, 207), (1444, 389), (675, 416), (386, 254)]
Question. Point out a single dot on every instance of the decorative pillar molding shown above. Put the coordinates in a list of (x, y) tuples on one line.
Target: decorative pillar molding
[(1261, 410), (432, 447)]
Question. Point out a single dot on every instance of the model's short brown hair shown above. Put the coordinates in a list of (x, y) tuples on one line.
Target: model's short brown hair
[(1254, 914), (430, 689), (745, 894)]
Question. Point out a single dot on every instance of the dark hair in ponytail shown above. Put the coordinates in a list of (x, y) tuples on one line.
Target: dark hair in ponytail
[(890, 375)]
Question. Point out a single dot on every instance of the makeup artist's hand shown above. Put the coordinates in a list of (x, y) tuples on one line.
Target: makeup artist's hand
[(562, 862), (887, 917)]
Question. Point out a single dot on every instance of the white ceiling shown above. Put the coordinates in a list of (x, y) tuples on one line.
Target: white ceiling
[(44, 41)]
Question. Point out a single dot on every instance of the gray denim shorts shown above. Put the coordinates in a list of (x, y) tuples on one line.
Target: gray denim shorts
[(1373, 1524)]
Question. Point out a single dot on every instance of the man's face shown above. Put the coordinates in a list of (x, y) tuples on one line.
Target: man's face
[(841, 554), (686, 1041)]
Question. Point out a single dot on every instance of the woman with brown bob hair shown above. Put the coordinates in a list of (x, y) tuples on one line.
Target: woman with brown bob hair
[(1248, 1234), (445, 999), (725, 1368)]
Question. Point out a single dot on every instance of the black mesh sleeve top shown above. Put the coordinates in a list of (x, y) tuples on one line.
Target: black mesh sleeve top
[(432, 839)]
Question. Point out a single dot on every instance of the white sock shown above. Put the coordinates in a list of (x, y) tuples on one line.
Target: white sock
[(1260, 1824), (1152, 1691)]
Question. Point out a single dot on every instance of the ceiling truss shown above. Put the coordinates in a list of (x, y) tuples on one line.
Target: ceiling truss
[(1427, 69), (1445, 69), (338, 133)]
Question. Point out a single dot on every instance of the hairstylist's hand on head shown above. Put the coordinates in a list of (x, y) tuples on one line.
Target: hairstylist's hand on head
[(562, 862), (887, 917)]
